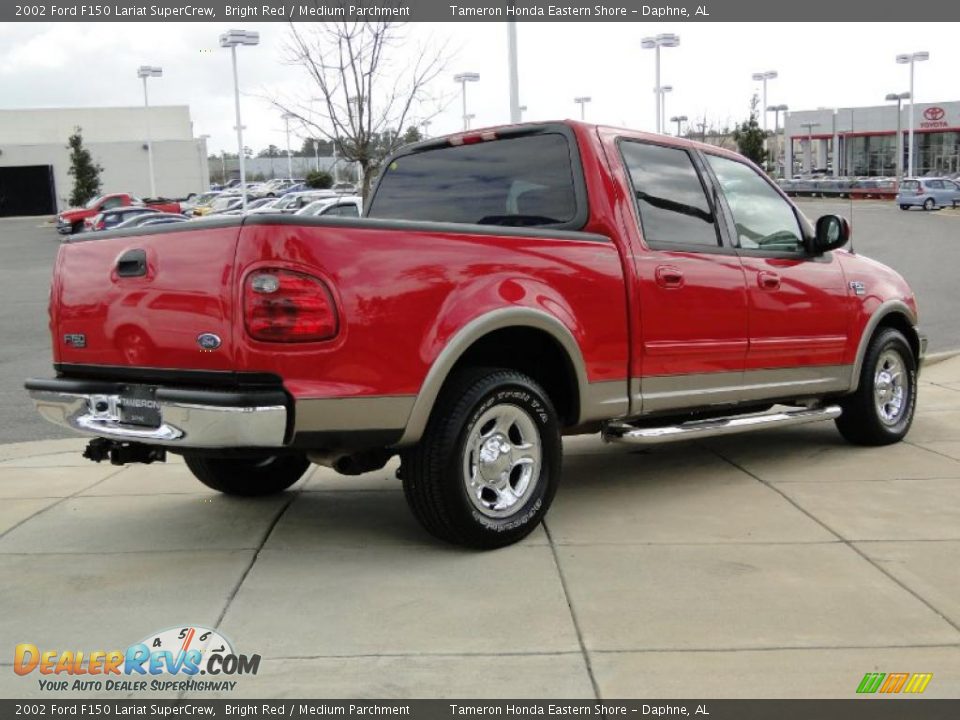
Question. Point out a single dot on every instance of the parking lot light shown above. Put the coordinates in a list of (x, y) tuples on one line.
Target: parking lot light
[(463, 79), (144, 72), (655, 42), (582, 102), (678, 119), (763, 77), (776, 110), (898, 98), (287, 117), (910, 59), (231, 39), (809, 154), (663, 106)]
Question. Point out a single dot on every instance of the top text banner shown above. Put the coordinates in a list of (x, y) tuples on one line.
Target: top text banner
[(478, 11)]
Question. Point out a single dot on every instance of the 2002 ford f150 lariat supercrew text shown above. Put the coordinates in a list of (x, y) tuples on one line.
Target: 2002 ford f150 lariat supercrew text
[(504, 288)]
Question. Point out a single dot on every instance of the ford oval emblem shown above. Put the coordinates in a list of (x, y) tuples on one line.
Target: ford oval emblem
[(208, 341)]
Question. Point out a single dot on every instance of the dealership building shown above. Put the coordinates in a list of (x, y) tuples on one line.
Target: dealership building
[(35, 159), (863, 141)]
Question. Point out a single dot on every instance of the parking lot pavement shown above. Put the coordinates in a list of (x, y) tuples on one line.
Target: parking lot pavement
[(778, 564)]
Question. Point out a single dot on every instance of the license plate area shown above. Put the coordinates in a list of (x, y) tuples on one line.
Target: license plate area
[(137, 405)]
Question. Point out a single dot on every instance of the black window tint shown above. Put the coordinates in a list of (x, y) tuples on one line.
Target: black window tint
[(524, 181), (670, 196), (764, 220)]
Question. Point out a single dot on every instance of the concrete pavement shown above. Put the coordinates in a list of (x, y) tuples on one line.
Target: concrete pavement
[(777, 564)]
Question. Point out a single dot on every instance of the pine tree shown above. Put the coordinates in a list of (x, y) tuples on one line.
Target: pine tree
[(750, 137), (86, 173)]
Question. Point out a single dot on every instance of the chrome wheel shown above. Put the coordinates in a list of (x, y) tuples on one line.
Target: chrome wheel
[(502, 460), (889, 386)]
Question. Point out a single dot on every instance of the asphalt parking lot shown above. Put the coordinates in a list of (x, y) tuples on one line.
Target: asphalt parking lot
[(784, 564), (924, 247), (778, 564)]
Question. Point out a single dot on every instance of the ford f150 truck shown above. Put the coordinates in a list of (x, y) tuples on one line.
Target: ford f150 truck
[(72, 220), (505, 287)]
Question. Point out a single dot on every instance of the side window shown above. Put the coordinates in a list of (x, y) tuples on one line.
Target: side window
[(343, 211), (670, 196), (111, 203), (764, 220)]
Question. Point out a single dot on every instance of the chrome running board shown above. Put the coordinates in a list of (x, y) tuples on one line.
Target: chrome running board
[(696, 429)]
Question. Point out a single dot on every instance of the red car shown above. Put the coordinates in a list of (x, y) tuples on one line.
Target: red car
[(73, 220), (505, 287)]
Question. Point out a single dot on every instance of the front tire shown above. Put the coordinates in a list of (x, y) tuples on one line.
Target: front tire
[(489, 463), (881, 411), (248, 476)]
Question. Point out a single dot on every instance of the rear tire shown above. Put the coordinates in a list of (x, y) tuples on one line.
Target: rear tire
[(489, 463), (904, 207), (929, 204), (881, 411), (248, 476), (77, 227)]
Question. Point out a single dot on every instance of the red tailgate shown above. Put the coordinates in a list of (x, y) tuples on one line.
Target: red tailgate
[(144, 301)]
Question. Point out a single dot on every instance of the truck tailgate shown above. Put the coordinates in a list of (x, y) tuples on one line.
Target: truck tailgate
[(146, 300)]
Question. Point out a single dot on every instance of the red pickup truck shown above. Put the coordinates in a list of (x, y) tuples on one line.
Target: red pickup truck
[(71, 221), (505, 287)]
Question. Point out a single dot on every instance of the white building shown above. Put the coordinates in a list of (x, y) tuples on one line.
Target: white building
[(34, 158)]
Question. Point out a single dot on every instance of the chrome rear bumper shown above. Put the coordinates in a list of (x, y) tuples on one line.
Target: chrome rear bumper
[(188, 418)]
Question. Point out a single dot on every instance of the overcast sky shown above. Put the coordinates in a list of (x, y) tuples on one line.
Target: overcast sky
[(820, 65)]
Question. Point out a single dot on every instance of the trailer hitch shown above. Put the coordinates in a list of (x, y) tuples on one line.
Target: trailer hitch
[(123, 453)]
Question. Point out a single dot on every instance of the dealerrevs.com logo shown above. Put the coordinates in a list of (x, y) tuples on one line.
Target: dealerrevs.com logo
[(179, 659)]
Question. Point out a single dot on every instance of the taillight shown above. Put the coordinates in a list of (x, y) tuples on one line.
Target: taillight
[(286, 306), (919, 191)]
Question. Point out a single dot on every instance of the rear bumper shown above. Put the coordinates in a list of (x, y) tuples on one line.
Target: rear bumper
[(190, 418)]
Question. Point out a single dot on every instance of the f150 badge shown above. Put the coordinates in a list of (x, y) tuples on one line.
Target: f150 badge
[(77, 340)]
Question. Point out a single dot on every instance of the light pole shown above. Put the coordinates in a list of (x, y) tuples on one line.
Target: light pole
[(655, 42), (776, 110), (663, 107), (678, 119), (316, 153), (910, 59), (143, 72), (287, 117), (514, 72), (763, 77), (523, 109), (808, 158), (582, 102), (463, 79), (899, 98), (202, 150), (231, 39), (425, 124), (466, 120)]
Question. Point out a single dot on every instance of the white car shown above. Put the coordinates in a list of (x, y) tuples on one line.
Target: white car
[(343, 206)]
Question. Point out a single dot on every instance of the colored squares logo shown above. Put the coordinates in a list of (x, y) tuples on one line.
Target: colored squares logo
[(892, 683)]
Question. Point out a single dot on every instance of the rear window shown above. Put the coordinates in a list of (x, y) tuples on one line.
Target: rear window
[(523, 181), (910, 185)]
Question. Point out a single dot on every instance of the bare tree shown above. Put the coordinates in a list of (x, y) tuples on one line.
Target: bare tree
[(366, 94)]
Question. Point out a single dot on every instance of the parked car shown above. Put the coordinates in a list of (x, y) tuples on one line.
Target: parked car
[(344, 206), (202, 200), (928, 193), (506, 286), (111, 218), (152, 218), (291, 202), (346, 188), (72, 220)]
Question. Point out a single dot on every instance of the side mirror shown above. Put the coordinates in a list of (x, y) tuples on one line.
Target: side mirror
[(833, 232)]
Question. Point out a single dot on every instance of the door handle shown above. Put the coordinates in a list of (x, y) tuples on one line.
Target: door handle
[(669, 277), (768, 280)]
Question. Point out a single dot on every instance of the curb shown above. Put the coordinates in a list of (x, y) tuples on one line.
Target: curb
[(939, 357)]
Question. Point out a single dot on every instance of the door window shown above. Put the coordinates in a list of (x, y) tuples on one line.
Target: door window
[(763, 219), (670, 197)]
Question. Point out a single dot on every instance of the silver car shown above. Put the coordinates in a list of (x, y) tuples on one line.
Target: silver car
[(928, 193)]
